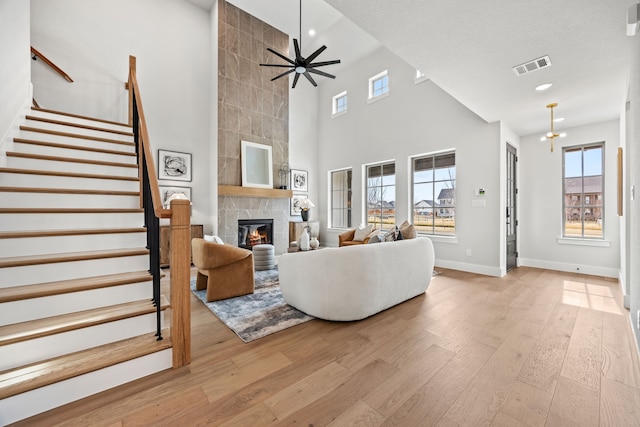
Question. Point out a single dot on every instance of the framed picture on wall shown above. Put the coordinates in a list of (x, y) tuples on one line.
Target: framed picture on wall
[(295, 203), (174, 166), (299, 180), (166, 192)]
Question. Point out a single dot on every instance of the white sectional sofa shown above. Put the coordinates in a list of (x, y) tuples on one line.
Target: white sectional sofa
[(351, 283)]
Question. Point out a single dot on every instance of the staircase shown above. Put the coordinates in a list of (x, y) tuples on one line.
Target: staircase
[(76, 315)]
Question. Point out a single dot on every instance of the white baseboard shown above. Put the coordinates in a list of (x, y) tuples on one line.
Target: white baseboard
[(470, 268), (574, 268), (626, 301)]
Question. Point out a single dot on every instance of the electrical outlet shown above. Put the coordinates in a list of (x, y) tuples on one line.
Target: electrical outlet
[(638, 320), (468, 252)]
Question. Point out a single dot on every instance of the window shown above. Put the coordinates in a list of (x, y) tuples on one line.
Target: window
[(339, 104), (434, 194), (341, 198), (381, 195), (583, 202), (378, 85)]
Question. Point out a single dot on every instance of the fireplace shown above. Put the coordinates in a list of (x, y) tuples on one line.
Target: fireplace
[(253, 232)]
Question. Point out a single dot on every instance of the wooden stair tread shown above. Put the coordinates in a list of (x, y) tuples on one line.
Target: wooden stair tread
[(38, 290), (67, 174), (75, 135), (68, 191), (70, 256), (72, 147), (74, 232), (78, 125), (78, 116), (69, 160), (30, 377), (23, 331), (68, 210)]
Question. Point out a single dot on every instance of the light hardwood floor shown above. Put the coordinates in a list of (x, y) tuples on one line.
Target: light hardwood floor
[(534, 348)]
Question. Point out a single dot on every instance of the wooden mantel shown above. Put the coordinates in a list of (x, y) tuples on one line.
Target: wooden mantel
[(235, 190)]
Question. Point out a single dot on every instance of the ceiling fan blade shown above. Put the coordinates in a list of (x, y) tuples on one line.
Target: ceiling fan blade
[(281, 56), (283, 74), (277, 65), (295, 81), (308, 76), (297, 49), (315, 54), (321, 64), (322, 73)]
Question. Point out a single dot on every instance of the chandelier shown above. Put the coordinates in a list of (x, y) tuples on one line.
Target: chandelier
[(551, 135)]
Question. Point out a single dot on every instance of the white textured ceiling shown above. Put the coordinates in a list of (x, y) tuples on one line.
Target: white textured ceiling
[(468, 49)]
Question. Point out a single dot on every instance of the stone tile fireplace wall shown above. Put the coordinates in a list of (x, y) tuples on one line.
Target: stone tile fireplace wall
[(233, 208), (250, 108)]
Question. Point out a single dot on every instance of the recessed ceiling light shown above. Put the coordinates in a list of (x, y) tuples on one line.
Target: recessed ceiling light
[(544, 86), (559, 119), (543, 138), (312, 32), (563, 134)]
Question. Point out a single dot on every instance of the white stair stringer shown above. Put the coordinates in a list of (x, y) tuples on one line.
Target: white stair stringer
[(72, 214), (42, 399)]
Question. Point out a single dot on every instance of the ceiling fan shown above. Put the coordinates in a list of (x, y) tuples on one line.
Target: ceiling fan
[(301, 65)]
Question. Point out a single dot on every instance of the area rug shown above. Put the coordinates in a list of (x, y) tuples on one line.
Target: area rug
[(257, 315)]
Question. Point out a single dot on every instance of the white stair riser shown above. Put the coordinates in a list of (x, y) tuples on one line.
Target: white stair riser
[(25, 222), (55, 305), (81, 142), (50, 181), (69, 152), (78, 120), (39, 349), (61, 200), (77, 131), (72, 167), (62, 244), (25, 405), (28, 275)]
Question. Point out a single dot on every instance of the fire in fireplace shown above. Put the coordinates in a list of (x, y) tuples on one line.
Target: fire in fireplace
[(253, 232)]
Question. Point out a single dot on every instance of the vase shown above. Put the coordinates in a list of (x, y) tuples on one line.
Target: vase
[(314, 243), (304, 240), (305, 214)]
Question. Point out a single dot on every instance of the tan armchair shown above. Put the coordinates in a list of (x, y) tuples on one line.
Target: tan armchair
[(225, 271), (346, 238)]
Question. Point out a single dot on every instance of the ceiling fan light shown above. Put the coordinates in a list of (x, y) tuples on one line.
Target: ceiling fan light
[(300, 69)]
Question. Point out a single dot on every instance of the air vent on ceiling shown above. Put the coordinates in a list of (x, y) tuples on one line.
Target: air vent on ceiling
[(530, 66)]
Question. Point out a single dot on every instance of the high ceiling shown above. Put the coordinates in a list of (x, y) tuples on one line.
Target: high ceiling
[(469, 49)]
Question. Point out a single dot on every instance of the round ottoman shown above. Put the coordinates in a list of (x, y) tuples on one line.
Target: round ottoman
[(264, 257)]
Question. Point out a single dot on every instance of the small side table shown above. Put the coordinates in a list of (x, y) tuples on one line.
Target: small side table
[(263, 257)]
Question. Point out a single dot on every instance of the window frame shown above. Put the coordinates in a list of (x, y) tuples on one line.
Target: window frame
[(335, 111), (380, 225), (451, 207), (585, 201), (348, 201), (372, 80)]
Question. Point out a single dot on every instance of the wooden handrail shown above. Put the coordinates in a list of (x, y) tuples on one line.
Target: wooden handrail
[(179, 215), (47, 61)]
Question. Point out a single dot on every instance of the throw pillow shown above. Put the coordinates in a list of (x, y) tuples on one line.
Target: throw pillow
[(408, 230), (389, 236), (362, 233), (214, 239), (374, 237)]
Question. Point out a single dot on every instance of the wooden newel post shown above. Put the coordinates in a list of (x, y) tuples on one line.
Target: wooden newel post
[(180, 274)]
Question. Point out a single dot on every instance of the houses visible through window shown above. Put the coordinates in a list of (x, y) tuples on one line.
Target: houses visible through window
[(583, 201), (339, 104), (434, 193), (378, 85), (381, 195), (341, 198)]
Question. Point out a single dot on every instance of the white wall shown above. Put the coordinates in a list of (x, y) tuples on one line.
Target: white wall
[(15, 69), (91, 41), (541, 204), (413, 119)]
